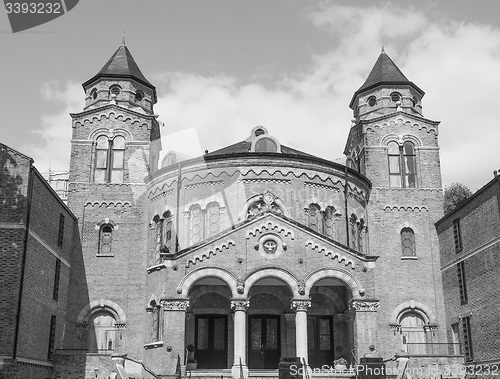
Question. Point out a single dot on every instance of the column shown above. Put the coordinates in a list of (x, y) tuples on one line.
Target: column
[(365, 325), (300, 307), (240, 307), (174, 323)]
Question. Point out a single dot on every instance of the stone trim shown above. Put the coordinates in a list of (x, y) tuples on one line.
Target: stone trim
[(349, 279), (364, 305), (48, 247), (221, 273), (300, 305), (175, 304), (240, 305)]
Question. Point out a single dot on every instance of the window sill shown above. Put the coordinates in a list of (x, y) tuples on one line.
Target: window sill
[(104, 255), (409, 258), (153, 345)]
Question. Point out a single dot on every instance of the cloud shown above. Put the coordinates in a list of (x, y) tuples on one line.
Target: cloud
[(456, 63), (52, 149)]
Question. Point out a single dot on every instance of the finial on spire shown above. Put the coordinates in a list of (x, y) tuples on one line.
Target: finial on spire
[(383, 50), (123, 38)]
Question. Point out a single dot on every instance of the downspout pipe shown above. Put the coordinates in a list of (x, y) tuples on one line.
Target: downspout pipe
[(23, 261)]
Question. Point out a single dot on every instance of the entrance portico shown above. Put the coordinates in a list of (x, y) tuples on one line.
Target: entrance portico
[(250, 324)]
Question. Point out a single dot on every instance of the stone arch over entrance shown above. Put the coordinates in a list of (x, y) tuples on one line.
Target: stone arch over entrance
[(102, 305), (278, 273), (350, 280), (414, 306), (187, 282)]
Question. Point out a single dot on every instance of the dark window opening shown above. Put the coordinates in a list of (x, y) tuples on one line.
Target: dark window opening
[(60, 235), (457, 235), (52, 338), (462, 284), (57, 276)]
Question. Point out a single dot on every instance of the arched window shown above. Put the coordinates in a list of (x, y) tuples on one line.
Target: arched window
[(213, 219), (105, 239), (372, 101), (167, 233), (139, 95), (413, 336), (402, 165), (395, 97), (266, 145), (314, 219), (93, 94), (408, 242), (114, 90), (101, 332), (196, 224), (156, 321), (357, 226), (328, 222), (409, 165), (110, 155)]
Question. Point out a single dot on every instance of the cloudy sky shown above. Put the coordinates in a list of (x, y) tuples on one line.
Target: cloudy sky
[(222, 67)]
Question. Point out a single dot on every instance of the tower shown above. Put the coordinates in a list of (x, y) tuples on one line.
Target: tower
[(396, 147), (115, 144)]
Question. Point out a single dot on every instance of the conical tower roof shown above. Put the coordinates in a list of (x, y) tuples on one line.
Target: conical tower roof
[(384, 72), (121, 65)]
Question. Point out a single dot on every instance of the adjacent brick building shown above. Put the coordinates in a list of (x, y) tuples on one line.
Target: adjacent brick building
[(469, 239), (37, 237)]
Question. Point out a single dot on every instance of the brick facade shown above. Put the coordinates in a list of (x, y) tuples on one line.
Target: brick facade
[(31, 243), (248, 253), (479, 224)]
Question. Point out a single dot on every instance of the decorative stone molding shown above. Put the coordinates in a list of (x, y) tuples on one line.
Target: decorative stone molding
[(301, 287), (330, 253), (212, 250), (431, 327), (364, 305), (268, 226), (240, 286), (204, 184), (175, 304), (162, 194), (265, 180), (240, 305), (322, 186), (396, 328), (300, 305), (120, 326)]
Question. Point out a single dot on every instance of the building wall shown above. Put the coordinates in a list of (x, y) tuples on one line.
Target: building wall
[(402, 283), (480, 226), (39, 210)]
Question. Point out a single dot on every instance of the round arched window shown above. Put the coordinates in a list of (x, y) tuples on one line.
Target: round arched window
[(266, 145), (114, 90), (139, 95), (395, 97), (93, 93)]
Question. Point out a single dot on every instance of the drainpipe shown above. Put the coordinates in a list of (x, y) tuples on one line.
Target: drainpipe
[(23, 262), (179, 177)]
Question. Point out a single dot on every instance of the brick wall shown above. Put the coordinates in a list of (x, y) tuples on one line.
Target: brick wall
[(480, 226)]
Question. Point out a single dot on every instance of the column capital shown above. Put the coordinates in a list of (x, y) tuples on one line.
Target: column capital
[(300, 305), (240, 304), (357, 305), (175, 304)]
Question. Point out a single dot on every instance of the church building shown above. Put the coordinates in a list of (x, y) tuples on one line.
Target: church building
[(224, 263)]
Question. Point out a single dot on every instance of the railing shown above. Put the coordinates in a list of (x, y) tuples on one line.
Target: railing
[(434, 349)]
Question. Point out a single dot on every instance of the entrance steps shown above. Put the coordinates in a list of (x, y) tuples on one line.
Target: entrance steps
[(260, 374)]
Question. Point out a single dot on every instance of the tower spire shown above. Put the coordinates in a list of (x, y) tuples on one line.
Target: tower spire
[(123, 38)]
